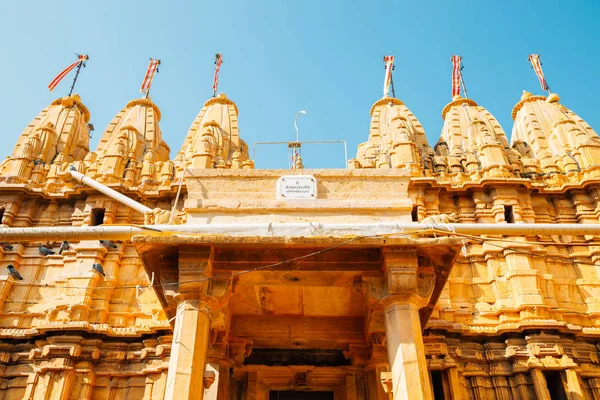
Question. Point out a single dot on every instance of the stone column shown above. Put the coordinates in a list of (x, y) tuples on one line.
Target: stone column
[(406, 353), (189, 351), (456, 384), (539, 384), (405, 288), (501, 388), (87, 386), (595, 387), (521, 387), (573, 389)]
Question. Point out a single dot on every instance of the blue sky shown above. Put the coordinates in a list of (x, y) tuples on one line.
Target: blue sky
[(283, 56)]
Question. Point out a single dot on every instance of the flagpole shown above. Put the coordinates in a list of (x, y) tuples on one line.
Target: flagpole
[(536, 64), (150, 86), (76, 75), (218, 62), (462, 82)]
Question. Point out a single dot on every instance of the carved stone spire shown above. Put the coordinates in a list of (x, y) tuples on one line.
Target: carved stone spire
[(123, 148), (559, 138), (213, 140), (396, 139), (474, 137), (59, 135)]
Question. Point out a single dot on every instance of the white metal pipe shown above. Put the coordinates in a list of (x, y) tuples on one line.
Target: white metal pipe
[(113, 194), (107, 232), (303, 229)]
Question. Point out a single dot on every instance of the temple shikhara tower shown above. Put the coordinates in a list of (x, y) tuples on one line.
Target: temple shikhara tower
[(465, 268)]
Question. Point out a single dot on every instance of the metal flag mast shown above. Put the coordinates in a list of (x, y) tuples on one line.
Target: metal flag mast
[(218, 62), (462, 81), (81, 59), (536, 64), (457, 76), (388, 80), (149, 77), (81, 64)]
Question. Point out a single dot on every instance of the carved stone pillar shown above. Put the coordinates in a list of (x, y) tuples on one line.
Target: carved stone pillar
[(189, 351), (32, 380), (88, 378), (54, 379), (456, 384), (197, 297), (573, 389), (539, 383), (501, 388), (521, 387), (405, 289), (595, 387), (406, 353)]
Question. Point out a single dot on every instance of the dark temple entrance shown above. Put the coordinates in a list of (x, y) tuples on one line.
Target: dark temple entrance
[(299, 395)]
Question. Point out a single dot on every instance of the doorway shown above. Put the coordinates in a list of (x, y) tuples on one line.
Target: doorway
[(299, 395)]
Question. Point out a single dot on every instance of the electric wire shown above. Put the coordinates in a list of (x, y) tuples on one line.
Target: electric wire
[(234, 273), (432, 230)]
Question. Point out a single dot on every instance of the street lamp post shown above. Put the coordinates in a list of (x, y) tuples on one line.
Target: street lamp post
[(296, 123)]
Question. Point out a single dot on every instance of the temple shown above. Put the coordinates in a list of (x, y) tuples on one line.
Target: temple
[(141, 276)]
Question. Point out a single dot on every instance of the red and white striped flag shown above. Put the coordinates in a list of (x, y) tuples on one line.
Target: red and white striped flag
[(152, 69), (389, 66), (218, 62), (537, 67), (82, 58), (456, 68)]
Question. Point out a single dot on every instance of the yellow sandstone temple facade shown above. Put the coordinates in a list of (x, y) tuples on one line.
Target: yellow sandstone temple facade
[(216, 288)]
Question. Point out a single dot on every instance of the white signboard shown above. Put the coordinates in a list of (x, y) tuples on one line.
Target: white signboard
[(296, 187)]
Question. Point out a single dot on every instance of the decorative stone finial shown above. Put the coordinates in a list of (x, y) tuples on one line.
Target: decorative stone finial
[(525, 95), (553, 98)]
